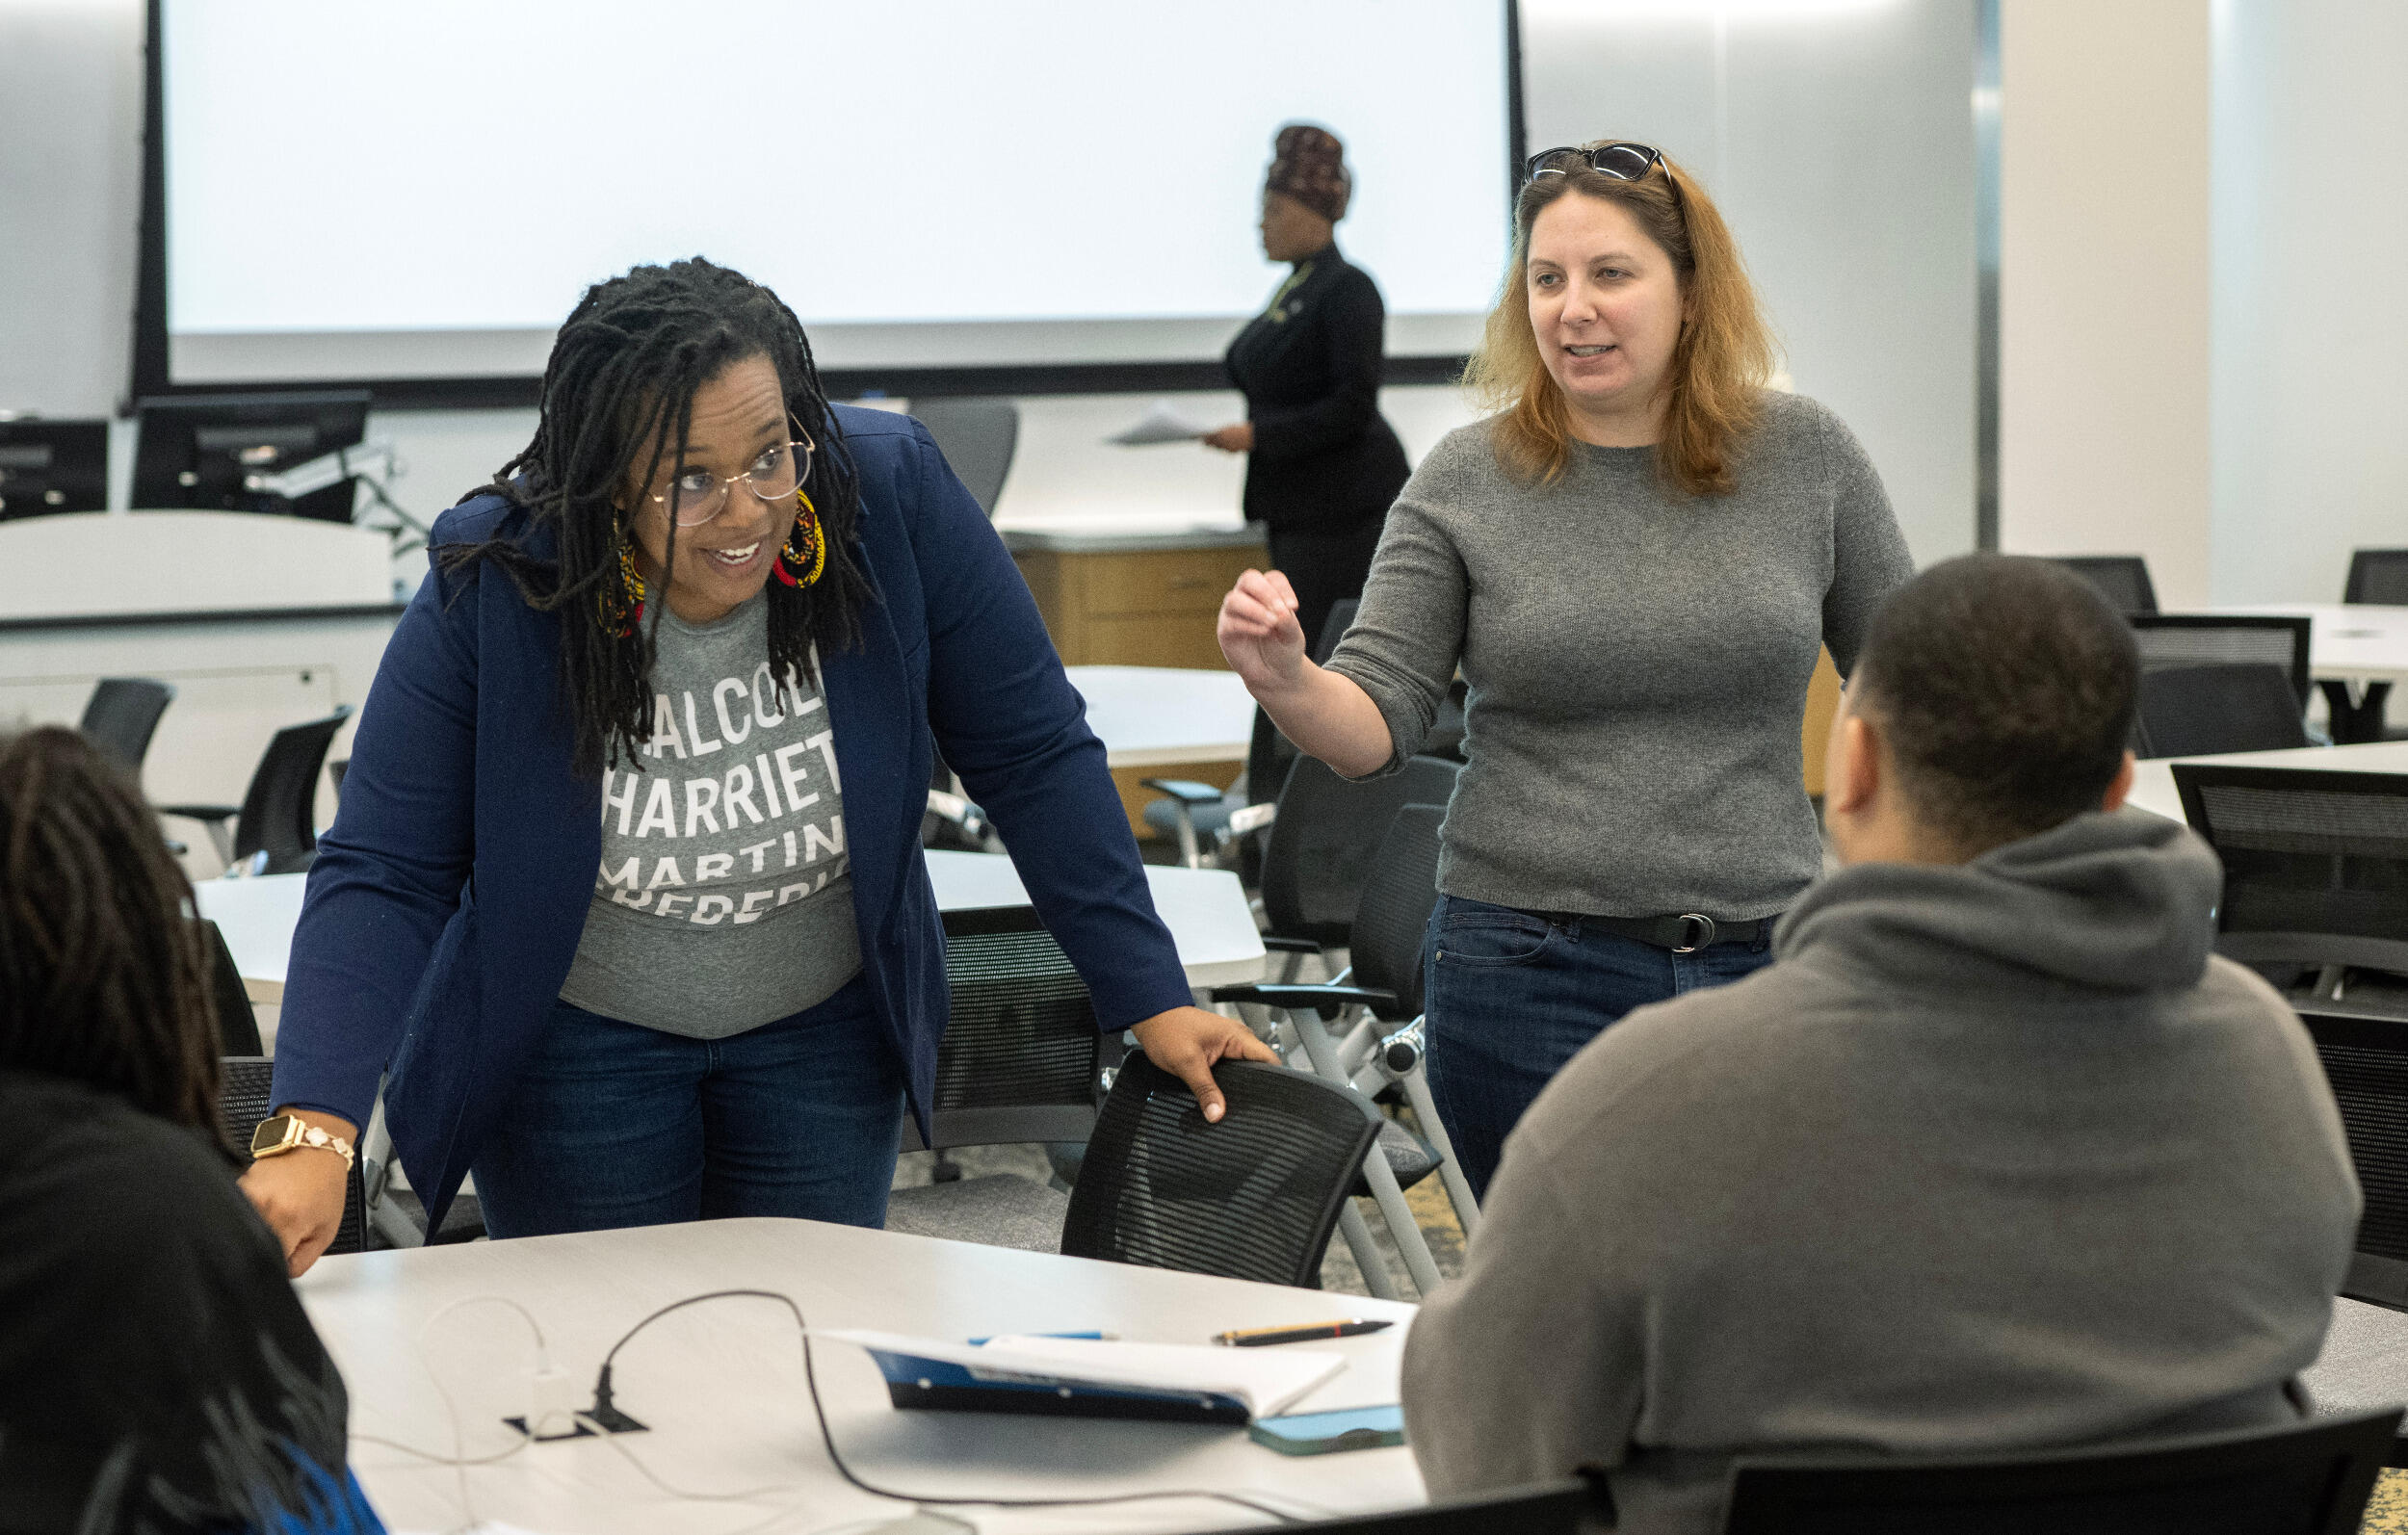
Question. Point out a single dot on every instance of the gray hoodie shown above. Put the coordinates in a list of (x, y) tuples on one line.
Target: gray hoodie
[(1996, 1156)]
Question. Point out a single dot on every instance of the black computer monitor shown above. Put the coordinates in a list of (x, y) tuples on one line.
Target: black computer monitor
[(199, 450), (48, 466)]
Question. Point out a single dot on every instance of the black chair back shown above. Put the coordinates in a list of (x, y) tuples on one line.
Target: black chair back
[(238, 1026), (2198, 711), (2219, 639), (243, 1101), (2309, 1478), (1398, 895), (1022, 1051), (1252, 1197), (2377, 576), (123, 715), (978, 438), (279, 809), (2316, 863), (2366, 1063), (2123, 579), (1322, 843)]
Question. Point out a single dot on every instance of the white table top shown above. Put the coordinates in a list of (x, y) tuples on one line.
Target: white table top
[(720, 1385), (2152, 782), (2347, 641), (1205, 910), (1151, 717)]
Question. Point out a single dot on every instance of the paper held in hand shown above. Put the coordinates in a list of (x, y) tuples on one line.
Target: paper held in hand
[(1087, 1377), (1162, 423)]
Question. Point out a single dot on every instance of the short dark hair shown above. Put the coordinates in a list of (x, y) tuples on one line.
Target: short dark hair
[(2006, 688), (104, 979)]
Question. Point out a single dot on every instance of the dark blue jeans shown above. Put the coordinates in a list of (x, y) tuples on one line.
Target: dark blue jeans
[(1513, 995), (614, 1124)]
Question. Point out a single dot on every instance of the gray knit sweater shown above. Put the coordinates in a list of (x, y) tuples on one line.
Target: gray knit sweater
[(1994, 1158), (1637, 661)]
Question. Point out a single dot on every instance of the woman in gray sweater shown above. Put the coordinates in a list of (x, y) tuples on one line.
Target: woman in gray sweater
[(1633, 564)]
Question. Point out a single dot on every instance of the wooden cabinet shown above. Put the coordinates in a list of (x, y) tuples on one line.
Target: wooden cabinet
[(1133, 602)]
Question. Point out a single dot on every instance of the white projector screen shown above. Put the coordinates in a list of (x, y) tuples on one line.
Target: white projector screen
[(422, 191)]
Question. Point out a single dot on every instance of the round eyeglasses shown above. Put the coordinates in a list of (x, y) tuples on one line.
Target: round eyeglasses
[(1623, 162), (698, 495)]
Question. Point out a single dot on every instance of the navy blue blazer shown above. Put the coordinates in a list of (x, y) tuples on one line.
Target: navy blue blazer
[(447, 901)]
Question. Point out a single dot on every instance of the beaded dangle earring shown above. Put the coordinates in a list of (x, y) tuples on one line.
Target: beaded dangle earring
[(622, 601), (804, 559)]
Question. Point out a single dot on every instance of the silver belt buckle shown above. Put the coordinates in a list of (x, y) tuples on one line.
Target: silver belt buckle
[(1700, 936)]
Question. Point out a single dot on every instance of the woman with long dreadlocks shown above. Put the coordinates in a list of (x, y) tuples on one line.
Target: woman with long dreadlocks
[(156, 1370), (626, 891)]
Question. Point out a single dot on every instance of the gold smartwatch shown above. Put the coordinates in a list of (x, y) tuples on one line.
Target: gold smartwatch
[(278, 1133)]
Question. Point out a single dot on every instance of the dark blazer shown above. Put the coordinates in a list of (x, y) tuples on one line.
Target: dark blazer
[(447, 900), (1324, 458)]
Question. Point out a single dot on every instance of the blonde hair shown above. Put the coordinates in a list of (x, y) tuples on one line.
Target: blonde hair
[(1721, 365)]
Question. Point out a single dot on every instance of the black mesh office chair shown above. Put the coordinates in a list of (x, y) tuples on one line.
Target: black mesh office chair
[(2226, 639), (1324, 840), (243, 1101), (279, 814), (2316, 865), (2309, 1478), (1198, 814), (978, 438), (1019, 1063), (238, 1026), (1386, 1048), (2198, 711), (121, 716), (2366, 1063), (2123, 579), (1252, 1197), (2378, 576)]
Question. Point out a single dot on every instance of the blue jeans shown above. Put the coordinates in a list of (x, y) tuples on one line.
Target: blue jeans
[(612, 1124), (1513, 995)]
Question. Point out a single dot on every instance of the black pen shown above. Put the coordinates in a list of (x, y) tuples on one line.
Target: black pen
[(1262, 1337)]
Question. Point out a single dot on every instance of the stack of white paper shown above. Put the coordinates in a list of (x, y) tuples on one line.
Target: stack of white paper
[(1163, 424)]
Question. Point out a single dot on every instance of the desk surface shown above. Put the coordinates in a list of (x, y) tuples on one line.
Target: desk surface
[(1151, 717), (720, 1385), (2152, 782), (2347, 641), (1205, 910)]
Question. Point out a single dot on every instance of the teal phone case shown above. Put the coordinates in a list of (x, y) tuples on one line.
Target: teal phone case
[(1326, 1433)]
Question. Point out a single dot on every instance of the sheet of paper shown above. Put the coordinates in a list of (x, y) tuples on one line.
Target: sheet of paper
[(1162, 423), (1267, 1379)]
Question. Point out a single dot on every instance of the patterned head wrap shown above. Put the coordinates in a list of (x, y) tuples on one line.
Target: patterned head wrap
[(1309, 165)]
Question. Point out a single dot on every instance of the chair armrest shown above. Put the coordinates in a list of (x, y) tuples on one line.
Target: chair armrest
[(200, 812), (1322, 999), (1290, 946), (1186, 791), (1251, 819)]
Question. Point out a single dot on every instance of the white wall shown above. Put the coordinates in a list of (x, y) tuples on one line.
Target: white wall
[(2311, 297), (1837, 140), (2104, 309)]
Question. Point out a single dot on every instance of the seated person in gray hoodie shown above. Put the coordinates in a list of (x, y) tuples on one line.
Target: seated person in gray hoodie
[(1996, 1156)]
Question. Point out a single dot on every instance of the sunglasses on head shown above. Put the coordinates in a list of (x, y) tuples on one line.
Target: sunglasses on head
[(1622, 161)]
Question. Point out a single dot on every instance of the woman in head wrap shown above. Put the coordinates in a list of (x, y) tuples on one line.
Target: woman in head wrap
[(1321, 465)]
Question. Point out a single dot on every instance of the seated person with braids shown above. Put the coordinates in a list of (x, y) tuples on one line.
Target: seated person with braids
[(1996, 1156), (156, 1371), (626, 888)]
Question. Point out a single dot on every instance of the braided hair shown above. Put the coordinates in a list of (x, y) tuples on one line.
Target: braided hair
[(104, 979), (617, 400)]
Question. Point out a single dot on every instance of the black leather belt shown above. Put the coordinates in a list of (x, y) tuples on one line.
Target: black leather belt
[(1682, 935)]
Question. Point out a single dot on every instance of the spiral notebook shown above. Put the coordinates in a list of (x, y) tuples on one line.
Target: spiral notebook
[(1072, 1377)]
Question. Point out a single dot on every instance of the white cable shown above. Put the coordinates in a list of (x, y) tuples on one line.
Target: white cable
[(460, 1459)]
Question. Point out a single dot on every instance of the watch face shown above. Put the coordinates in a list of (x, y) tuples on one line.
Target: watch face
[(270, 1136)]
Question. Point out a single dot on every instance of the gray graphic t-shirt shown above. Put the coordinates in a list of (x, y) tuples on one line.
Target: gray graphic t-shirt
[(725, 900)]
